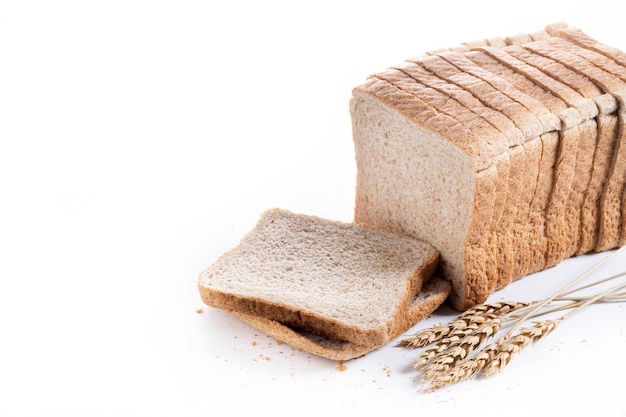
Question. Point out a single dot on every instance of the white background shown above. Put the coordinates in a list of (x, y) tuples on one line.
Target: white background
[(142, 139)]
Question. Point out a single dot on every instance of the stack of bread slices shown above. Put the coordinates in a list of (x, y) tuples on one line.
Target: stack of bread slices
[(476, 166), (506, 154)]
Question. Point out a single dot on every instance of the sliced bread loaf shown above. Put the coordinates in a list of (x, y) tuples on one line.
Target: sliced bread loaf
[(561, 99)]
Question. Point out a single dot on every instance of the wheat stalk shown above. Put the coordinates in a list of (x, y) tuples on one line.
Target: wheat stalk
[(454, 355), (461, 348), (511, 345), (466, 369), (469, 319)]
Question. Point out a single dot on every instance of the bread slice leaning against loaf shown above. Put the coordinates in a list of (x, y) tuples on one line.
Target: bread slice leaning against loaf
[(331, 288)]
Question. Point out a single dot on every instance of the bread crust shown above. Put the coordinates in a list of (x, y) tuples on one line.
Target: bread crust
[(427, 301), (573, 57), (582, 39), (605, 119), (533, 149)]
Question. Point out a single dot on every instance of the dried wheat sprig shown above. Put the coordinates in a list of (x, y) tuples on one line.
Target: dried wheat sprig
[(511, 345), (620, 296), (460, 349), (497, 309), (495, 356), (467, 369), (469, 319), (566, 295), (457, 327), (429, 354), (598, 297)]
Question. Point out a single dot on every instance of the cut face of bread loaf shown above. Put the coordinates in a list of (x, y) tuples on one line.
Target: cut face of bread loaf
[(295, 275), (555, 167)]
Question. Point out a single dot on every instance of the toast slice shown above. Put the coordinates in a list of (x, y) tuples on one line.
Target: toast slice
[(432, 295), (334, 279)]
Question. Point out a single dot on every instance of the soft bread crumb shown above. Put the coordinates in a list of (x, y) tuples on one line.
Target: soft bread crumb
[(341, 367)]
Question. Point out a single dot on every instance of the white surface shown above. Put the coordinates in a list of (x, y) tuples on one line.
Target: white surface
[(140, 140)]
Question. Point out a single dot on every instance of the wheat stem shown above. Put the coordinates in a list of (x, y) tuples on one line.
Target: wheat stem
[(595, 298), (593, 284), (563, 290)]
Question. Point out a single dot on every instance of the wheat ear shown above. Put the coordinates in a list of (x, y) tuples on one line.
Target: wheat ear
[(461, 348), (469, 319), (510, 345), (466, 369)]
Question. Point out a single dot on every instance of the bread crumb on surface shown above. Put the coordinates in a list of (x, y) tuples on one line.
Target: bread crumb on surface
[(199, 311), (341, 367)]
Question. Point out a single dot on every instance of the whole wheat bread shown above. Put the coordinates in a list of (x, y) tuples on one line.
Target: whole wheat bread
[(432, 295), (336, 280), (567, 190)]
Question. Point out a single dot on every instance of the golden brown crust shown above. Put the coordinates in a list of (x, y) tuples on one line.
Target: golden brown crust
[(606, 135), (590, 209), (574, 58), (477, 259), (487, 93)]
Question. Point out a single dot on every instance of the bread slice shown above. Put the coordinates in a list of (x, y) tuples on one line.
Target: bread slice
[(513, 136), (525, 121), (494, 138), (578, 37), (432, 295), (333, 279), (401, 142), (501, 95)]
